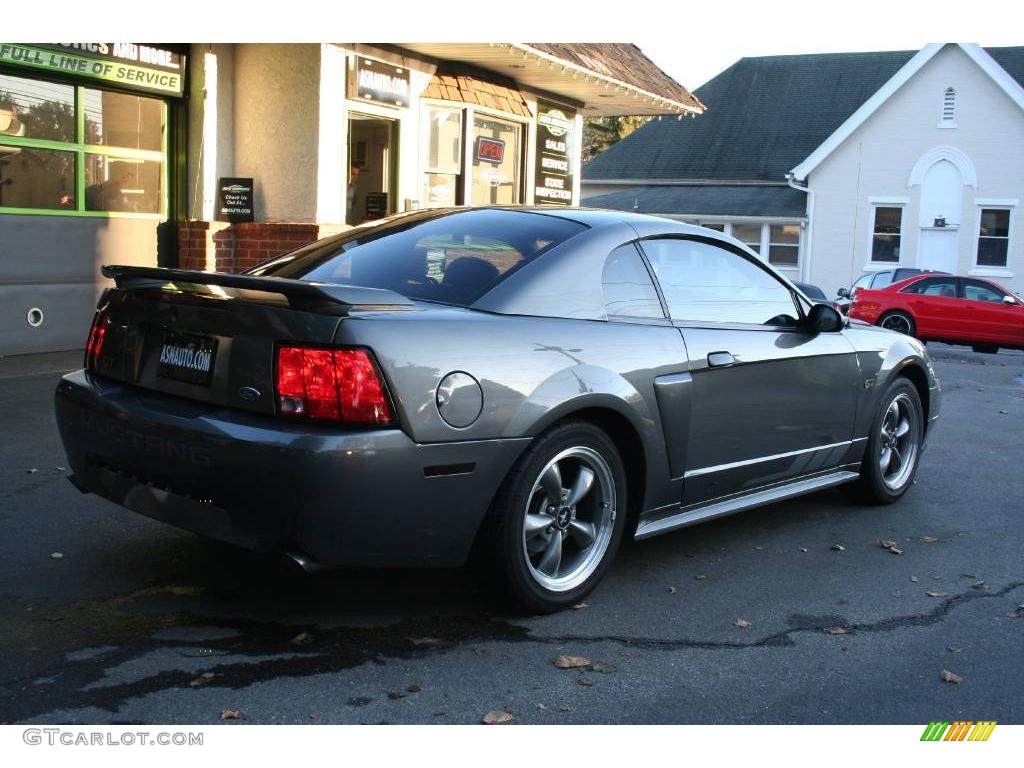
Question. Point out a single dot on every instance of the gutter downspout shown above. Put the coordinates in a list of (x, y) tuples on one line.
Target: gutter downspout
[(805, 262)]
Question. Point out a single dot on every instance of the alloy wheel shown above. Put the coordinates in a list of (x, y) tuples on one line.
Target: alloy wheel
[(898, 442), (898, 323), (569, 519)]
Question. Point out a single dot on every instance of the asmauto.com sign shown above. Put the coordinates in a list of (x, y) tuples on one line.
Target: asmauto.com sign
[(138, 66)]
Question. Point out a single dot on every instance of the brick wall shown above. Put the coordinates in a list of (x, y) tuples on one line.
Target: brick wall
[(237, 247)]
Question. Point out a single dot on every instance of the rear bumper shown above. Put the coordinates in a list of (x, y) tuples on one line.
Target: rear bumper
[(366, 498)]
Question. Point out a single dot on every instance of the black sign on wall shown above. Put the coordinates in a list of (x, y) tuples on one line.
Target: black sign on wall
[(376, 205), (553, 178), (376, 81), (235, 199)]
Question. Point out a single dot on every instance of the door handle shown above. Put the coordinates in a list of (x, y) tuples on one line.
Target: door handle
[(720, 359)]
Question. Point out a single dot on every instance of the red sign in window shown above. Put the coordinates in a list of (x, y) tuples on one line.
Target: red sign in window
[(490, 150)]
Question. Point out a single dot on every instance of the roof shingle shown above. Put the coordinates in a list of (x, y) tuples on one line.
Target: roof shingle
[(764, 115)]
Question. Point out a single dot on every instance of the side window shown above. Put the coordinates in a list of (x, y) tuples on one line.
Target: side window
[(944, 287), (881, 280), (977, 290), (864, 281), (628, 288), (705, 283)]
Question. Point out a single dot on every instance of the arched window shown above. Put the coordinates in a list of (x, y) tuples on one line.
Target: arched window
[(948, 119)]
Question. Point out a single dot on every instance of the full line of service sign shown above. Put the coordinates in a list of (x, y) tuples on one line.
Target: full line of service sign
[(159, 80)]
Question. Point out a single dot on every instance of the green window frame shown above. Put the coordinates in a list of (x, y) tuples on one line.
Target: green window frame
[(80, 150)]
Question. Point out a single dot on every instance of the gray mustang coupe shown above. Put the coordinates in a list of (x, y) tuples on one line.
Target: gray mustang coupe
[(523, 386)]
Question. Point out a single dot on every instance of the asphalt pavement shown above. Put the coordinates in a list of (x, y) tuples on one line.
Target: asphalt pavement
[(792, 613)]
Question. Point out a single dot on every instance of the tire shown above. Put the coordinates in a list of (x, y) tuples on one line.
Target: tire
[(898, 321), (524, 529), (985, 349), (884, 479)]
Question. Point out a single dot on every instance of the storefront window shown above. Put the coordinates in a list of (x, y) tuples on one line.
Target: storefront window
[(121, 184), (443, 152), (34, 109), (108, 157), (36, 178), (120, 120), (495, 161)]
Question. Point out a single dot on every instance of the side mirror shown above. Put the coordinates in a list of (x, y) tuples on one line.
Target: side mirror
[(843, 293), (1009, 300), (824, 318)]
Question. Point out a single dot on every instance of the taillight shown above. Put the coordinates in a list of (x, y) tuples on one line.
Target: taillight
[(94, 346), (335, 384)]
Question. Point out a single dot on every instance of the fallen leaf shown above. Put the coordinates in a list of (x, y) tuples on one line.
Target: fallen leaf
[(57, 555), (914, 579), (32, 471), (671, 590), (1003, 413), (890, 546), (968, 576), (954, 649), (229, 714), (439, 713), (742, 623), (203, 679), (580, 606), (981, 389), (413, 688), (302, 639), (700, 577), (396, 695), (1017, 613), (949, 677), (497, 716), (541, 706), (570, 662), (567, 709), (758, 548), (585, 681), (603, 667), (837, 630), (935, 594), (936, 578), (979, 585), (929, 539), (803, 549), (312, 715), (838, 548), (59, 469)]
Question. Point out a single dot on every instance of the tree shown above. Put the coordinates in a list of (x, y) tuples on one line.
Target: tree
[(601, 133)]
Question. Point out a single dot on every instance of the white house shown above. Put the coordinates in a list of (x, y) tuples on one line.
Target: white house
[(834, 164)]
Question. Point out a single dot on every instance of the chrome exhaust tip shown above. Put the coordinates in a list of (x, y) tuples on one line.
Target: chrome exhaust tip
[(303, 562)]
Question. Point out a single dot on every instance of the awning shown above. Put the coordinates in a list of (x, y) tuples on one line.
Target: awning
[(605, 78), (470, 90)]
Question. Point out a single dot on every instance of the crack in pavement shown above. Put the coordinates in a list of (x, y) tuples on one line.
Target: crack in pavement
[(804, 624), (79, 684)]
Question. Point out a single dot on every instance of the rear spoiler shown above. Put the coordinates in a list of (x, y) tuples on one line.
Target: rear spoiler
[(321, 297)]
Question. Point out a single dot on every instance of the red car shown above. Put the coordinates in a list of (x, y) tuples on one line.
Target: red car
[(948, 308)]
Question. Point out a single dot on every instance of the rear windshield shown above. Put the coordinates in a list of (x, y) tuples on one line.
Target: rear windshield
[(451, 257)]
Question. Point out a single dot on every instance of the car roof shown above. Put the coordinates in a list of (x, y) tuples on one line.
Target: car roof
[(591, 217)]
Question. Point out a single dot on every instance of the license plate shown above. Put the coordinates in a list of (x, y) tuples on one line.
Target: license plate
[(187, 357)]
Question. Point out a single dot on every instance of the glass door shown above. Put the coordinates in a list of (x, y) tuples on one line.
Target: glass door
[(372, 168), (496, 151)]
